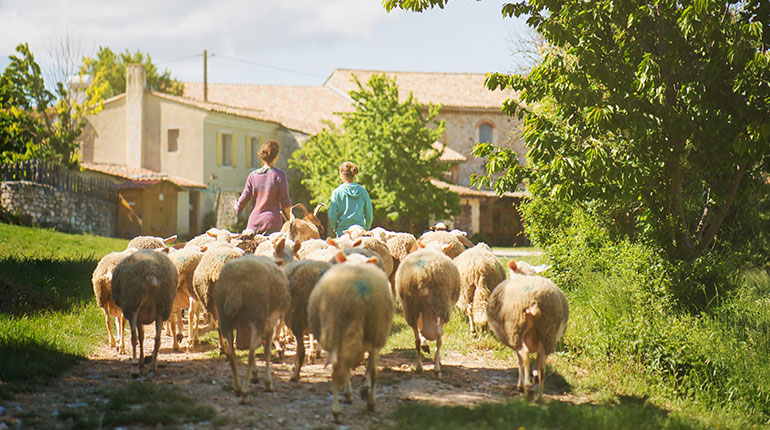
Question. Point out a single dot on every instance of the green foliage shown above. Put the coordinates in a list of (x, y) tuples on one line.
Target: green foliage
[(391, 142), (632, 413), (35, 123), (413, 5), (655, 113), (113, 67)]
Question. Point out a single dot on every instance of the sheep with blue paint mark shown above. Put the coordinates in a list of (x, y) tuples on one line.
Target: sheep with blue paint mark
[(428, 284), (350, 312), (480, 272), (529, 314)]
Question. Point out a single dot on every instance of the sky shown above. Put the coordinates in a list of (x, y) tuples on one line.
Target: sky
[(272, 42)]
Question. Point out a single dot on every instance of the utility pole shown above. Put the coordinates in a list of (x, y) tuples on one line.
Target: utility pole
[(205, 77)]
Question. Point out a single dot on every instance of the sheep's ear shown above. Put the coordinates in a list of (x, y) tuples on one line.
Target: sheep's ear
[(204, 248), (357, 243), (512, 265), (446, 247), (280, 245), (341, 258), (297, 246), (331, 242), (372, 260), (367, 234), (165, 250), (235, 236), (278, 262), (419, 243), (169, 240), (211, 233), (346, 232)]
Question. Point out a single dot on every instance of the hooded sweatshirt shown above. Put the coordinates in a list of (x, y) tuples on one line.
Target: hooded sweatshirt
[(350, 205)]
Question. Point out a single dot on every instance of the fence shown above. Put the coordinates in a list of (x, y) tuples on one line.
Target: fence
[(59, 177)]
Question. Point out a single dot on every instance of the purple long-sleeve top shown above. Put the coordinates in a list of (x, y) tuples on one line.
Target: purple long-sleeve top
[(268, 191)]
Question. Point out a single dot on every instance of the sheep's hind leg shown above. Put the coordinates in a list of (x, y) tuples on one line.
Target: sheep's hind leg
[(539, 372), (338, 381), (437, 356), (299, 358), (523, 355), (136, 371), (371, 380), (154, 362), (140, 331), (233, 364), (109, 326), (268, 346), (250, 367), (417, 342)]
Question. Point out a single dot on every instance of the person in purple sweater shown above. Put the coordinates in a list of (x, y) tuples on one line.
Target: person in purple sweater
[(268, 191)]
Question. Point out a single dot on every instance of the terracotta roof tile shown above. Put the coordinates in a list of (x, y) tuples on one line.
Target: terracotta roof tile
[(138, 175), (474, 192), (449, 155)]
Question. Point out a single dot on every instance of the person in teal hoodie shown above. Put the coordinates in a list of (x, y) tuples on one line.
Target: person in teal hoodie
[(350, 204)]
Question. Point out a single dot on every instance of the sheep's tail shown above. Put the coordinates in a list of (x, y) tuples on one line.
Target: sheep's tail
[(480, 300), (318, 208)]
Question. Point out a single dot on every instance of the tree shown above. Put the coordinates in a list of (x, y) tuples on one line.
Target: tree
[(113, 67), (35, 123), (657, 112), (391, 143)]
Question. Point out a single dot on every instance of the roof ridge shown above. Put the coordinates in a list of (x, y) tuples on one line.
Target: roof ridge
[(247, 84), (410, 72)]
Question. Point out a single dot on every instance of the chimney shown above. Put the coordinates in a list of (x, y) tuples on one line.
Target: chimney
[(136, 82)]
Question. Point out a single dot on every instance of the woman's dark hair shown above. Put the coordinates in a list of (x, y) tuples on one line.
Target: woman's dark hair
[(269, 150), (348, 170)]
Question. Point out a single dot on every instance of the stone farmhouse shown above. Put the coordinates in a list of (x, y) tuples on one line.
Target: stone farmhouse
[(178, 160)]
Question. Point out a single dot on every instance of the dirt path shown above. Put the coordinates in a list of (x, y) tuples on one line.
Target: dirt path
[(466, 380)]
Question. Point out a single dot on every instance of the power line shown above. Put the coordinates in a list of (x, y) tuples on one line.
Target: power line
[(179, 59), (267, 66)]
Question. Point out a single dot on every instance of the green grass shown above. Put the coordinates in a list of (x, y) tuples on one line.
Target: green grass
[(48, 317), (141, 403)]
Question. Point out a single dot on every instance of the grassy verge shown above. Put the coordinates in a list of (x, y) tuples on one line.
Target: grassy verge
[(48, 317), (140, 403)]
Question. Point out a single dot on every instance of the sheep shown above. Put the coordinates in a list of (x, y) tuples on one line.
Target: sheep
[(251, 297), (278, 248), (442, 237), (144, 285), (305, 228), (249, 244), (350, 312), (309, 246), (378, 246), (186, 260), (206, 275), (529, 314), (302, 276), (380, 233), (212, 235), (101, 280), (150, 242), (354, 232), (480, 272), (462, 236), (428, 284)]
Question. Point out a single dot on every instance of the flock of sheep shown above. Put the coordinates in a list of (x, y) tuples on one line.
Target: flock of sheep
[(341, 292)]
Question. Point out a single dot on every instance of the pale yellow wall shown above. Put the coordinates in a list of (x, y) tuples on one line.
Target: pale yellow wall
[(228, 178), (105, 137), (462, 132)]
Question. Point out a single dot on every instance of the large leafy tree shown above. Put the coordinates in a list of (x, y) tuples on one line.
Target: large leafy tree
[(36, 123), (656, 111), (391, 142), (113, 67)]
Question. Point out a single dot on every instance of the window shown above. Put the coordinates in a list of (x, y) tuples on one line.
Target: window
[(485, 133), (173, 139), (254, 156), (227, 149)]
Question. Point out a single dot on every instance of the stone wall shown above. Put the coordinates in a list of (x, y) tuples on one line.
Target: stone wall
[(47, 206)]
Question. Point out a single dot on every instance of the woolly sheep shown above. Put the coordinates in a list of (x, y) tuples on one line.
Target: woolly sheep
[(186, 260), (399, 246), (101, 280), (378, 246), (150, 242), (428, 284), (442, 237), (144, 285), (462, 236), (350, 312), (354, 232), (302, 277), (480, 272), (279, 249), (206, 275), (529, 314), (251, 298), (309, 246)]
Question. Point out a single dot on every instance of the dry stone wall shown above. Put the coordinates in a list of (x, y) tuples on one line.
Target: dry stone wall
[(68, 211)]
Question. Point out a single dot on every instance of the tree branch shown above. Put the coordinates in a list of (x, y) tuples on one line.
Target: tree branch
[(724, 208), (704, 215)]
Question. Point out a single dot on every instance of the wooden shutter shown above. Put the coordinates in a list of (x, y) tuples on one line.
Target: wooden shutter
[(249, 162), (234, 149), (219, 149)]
